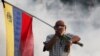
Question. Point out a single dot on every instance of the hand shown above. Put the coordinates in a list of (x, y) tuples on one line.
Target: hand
[(75, 39)]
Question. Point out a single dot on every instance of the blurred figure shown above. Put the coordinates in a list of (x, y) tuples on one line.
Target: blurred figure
[(58, 44)]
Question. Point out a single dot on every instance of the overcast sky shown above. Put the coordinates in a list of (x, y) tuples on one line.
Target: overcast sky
[(79, 20)]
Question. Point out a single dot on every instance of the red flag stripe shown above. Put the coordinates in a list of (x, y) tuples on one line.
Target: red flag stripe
[(26, 35)]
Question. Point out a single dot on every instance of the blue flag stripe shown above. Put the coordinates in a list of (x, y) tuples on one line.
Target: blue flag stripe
[(17, 30)]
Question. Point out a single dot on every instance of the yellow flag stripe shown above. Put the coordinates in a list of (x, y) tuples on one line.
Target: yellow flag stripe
[(8, 10)]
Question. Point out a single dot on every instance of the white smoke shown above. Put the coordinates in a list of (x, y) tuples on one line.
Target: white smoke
[(2, 33), (79, 20)]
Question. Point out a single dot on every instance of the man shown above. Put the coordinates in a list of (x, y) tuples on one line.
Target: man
[(58, 44)]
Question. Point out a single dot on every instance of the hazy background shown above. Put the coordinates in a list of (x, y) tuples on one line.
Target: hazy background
[(81, 17)]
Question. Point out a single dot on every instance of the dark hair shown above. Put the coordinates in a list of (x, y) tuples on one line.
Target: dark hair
[(59, 23)]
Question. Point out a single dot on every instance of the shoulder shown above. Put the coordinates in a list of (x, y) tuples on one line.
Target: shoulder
[(50, 36), (69, 35), (73, 37)]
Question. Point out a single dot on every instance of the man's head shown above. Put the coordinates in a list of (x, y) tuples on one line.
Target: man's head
[(59, 24), (60, 27)]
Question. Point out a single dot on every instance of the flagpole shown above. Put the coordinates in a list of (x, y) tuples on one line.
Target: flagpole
[(43, 21), (3, 3), (29, 14)]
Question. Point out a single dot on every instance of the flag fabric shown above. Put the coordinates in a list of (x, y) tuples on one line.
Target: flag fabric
[(17, 30), (19, 36), (26, 35), (9, 30)]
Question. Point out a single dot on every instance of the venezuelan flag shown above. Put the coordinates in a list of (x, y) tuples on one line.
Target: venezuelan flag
[(19, 38)]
